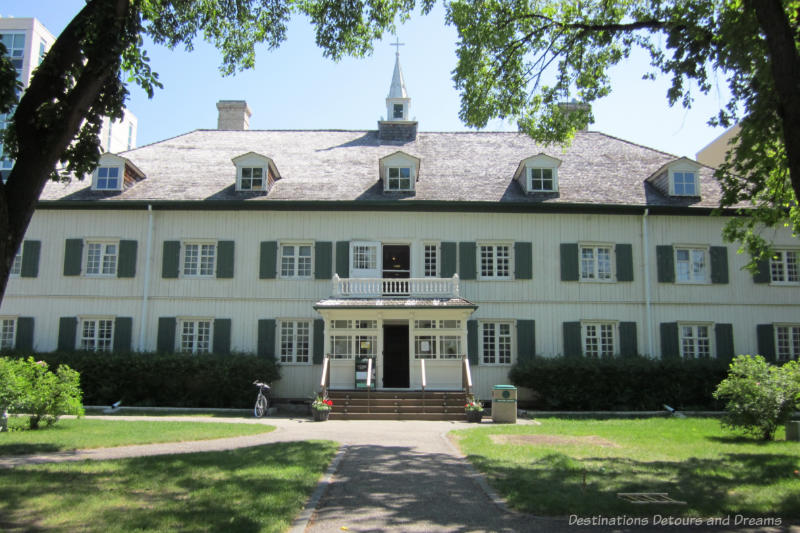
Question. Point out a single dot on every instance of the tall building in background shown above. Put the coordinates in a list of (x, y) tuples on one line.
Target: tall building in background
[(27, 41)]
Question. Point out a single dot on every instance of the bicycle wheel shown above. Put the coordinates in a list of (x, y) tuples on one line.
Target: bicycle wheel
[(261, 406)]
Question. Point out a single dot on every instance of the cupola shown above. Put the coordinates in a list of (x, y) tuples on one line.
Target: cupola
[(397, 126)]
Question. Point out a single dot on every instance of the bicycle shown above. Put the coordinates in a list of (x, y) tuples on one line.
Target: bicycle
[(262, 400)]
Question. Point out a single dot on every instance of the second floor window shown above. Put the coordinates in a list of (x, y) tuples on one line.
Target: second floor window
[(296, 261), (96, 334), (7, 333), (783, 267), (695, 341), (690, 265), (101, 259), (199, 259), (16, 266), (431, 261), (596, 263), (495, 261)]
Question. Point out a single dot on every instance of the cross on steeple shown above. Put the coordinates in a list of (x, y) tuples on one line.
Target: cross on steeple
[(397, 44)]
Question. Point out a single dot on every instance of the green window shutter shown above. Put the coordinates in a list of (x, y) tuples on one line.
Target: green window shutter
[(30, 258), (724, 338), (222, 336), (166, 334), (523, 260), (343, 259), (266, 338), (766, 341), (24, 340), (466, 260), (669, 341), (73, 257), (319, 341), (569, 261), (472, 342), (323, 260), (127, 259), (268, 261), (573, 347), (67, 329), (665, 262), (762, 276), (171, 261), (526, 340), (448, 265), (719, 264), (123, 328), (624, 262), (225, 254), (628, 346)]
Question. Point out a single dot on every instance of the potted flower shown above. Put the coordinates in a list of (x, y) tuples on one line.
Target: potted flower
[(474, 409), (321, 408)]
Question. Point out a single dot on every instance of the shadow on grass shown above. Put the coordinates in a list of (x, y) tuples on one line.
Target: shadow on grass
[(557, 484), (252, 489), (21, 448)]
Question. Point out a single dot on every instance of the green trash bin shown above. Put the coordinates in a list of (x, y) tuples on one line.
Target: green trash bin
[(504, 404)]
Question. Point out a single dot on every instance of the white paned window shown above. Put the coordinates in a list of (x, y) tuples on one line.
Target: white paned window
[(108, 179), (450, 347), (356, 342), (16, 266), (101, 258), (365, 257), (8, 330), (431, 267), (596, 263), (252, 179), (598, 339), (787, 342), (15, 48), (296, 261), (495, 261), (541, 180), (783, 267), (398, 179), (342, 346), (495, 343), (695, 341), (684, 183), (97, 334), (691, 265), (199, 259), (195, 336), (424, 347), (295, 341)]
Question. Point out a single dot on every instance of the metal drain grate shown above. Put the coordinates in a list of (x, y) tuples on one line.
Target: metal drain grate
[(648, 497)]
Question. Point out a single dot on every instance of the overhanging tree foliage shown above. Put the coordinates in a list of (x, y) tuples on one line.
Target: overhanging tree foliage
[(519, 60)]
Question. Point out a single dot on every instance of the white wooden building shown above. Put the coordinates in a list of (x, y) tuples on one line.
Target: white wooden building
[(400, 245)]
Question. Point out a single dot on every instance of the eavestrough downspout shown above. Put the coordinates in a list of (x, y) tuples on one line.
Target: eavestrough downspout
[(647, 295), (146, 289)]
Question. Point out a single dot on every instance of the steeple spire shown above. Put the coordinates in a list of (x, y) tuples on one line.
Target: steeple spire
[(397, 103)]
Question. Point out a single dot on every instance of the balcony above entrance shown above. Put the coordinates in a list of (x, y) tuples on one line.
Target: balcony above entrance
[(439, 288)]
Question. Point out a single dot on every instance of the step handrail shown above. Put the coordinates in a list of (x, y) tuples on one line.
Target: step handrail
[(369, 373), (424, 381), (325, 382), (466, 375)]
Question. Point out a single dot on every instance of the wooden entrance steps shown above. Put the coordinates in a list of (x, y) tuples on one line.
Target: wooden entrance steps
[(400, 405)]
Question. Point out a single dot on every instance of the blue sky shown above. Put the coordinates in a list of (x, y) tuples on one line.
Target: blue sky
[(294, 87)]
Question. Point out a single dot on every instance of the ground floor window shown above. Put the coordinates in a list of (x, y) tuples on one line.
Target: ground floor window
[(350, 346), (695, 341), (495, 343), (8, 328), (598, 339), (195, 336), (295, 341), (97, 334), (788, 342)]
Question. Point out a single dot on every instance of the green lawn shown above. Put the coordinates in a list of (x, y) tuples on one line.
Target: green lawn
[(75, 434), (565, 467), (255, 489)]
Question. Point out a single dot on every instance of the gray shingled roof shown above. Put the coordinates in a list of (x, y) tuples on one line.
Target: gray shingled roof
[(337, 165)]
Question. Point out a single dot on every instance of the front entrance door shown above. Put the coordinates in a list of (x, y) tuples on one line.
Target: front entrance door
[(395, 357)]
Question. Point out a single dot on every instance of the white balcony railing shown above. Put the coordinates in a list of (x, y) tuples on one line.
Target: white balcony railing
[(408, 287)]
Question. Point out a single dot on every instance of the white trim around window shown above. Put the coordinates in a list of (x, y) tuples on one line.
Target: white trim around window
[(431, 257), (109, 178), (496, 342), (696, 340), (541, 178), (16, 265), (101, 258), (294, 341), (784, 268), (195, 335), (297, 260), (96, 334), (599, 338), (596, 262), (787, 342), (199, 259), (8, 333), (495, 260), (691, 264), (251, 178), (399, 179)]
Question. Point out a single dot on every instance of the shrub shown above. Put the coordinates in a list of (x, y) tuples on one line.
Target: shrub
[(760, 396), (619, 384), (168, 380)]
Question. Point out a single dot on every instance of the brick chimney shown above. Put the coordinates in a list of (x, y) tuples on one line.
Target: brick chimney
[(233, 115)]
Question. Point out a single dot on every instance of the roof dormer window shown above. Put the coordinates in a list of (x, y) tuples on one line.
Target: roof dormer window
[(399, 172), (684, 183), (680, 177), (107, 179), (115, 173), (538, 174), (255, 172)]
